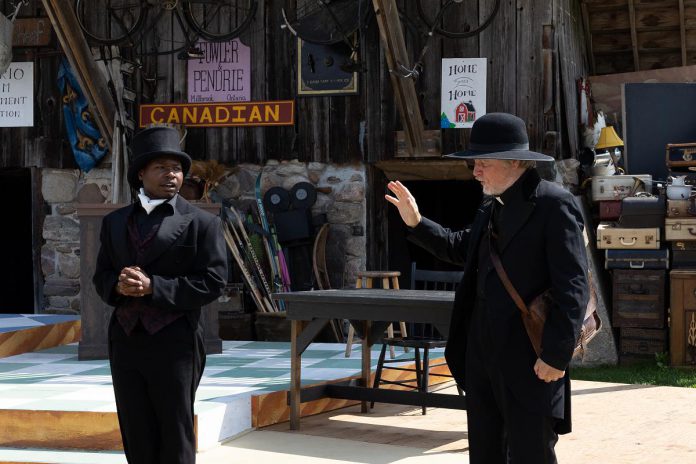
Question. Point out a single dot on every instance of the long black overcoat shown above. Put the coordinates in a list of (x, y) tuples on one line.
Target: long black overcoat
[(541, 246)]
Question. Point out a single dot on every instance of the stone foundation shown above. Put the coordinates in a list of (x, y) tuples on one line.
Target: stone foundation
[(60, 253)]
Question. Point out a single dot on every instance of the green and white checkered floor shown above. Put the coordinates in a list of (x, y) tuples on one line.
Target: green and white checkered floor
[(55, 380)]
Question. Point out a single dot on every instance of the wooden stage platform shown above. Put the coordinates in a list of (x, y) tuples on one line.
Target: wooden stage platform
[(50, 400)]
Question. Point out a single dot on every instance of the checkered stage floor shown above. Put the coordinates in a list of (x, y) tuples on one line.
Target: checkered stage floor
[(16, 322), (55, 380)]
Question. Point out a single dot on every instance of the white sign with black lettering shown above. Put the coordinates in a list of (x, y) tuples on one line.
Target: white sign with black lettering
[(17, 95), (463, 91)]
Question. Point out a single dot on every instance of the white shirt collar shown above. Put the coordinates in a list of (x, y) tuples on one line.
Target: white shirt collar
[(149, 204)]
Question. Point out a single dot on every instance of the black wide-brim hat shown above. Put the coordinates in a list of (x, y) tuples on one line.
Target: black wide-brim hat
[(500, 136), (153, 143)]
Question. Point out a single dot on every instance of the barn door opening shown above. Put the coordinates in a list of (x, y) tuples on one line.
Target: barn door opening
[(16, 242)]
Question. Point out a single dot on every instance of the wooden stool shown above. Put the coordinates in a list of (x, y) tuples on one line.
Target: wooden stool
[(390, 279)]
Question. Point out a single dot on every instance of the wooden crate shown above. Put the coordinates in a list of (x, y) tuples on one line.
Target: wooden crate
[(682, 329), (637, 342), (236, 326), (638, 299)]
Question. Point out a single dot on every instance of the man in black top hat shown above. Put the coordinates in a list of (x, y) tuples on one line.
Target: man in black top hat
[(160, 260), (517, 402)]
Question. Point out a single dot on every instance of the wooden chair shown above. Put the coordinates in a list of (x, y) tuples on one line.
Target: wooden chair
[(422, 336), (321, 273), (319, 258), (365, 279)]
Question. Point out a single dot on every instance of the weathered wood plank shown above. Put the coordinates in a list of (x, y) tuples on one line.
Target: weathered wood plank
[(682, 31), (634, 34), (392, 39)]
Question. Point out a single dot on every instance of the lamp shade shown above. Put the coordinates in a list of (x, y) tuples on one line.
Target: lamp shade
[(608, 138)]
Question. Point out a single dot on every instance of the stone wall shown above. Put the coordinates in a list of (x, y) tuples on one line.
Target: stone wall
[(60, 253), (343, 207)]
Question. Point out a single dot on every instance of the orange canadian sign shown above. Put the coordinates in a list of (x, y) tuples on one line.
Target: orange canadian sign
[(268, 113)]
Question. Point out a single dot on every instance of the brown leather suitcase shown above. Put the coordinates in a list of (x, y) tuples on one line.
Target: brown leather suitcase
[(609, 210)]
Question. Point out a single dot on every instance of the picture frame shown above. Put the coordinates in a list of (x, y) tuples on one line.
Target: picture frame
[(321, 70)]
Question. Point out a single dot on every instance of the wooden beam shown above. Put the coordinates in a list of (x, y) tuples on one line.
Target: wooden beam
[(394, 45), (588, 36), (634, 34), (682, 31), (90, 78)]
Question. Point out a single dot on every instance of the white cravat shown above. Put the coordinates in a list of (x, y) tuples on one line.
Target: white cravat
[(148, 203)]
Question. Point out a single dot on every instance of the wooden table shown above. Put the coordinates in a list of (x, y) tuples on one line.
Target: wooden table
[(370, 310)]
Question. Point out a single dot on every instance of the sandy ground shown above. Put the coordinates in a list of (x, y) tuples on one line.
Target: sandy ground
[(613, 424)]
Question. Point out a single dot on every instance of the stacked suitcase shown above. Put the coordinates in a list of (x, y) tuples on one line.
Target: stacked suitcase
[(680, 232), (630, 233)]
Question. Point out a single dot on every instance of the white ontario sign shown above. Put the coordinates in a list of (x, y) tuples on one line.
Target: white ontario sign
[(17, 95)]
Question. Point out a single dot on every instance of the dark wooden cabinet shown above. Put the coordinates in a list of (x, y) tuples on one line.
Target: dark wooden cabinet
[(639, 299), (682, 328)]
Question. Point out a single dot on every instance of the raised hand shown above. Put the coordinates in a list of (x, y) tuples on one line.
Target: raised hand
[(405, 203)]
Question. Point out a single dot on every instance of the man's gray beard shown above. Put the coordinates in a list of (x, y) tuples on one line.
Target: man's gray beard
[(496, 193)]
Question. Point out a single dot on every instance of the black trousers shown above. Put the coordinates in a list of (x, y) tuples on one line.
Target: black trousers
[(500, 431), (155, 379)]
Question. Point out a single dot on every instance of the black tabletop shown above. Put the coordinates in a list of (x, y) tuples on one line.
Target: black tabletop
[(370, 304)]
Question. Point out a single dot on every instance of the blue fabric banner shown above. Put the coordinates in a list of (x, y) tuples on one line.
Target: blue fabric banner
[(87, 144)]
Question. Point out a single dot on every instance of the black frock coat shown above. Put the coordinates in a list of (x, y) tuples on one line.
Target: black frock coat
[(541, 246), (186, 261)]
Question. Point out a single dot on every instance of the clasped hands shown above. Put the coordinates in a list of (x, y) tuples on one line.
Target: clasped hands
[(132, 281)]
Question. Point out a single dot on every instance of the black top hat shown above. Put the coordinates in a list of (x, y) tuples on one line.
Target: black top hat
[(153, 143), (499, 136)]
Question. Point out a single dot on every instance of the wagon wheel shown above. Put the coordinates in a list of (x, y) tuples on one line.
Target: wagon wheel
[(110, 22), (327, 22), (436, 19), (219, 20)]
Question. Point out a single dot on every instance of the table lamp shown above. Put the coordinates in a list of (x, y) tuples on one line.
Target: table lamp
[(608, 139)]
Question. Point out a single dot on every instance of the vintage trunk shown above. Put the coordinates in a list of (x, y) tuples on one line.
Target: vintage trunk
[(681, 155), (609, 210), (680, 208), (684, 259), (637, 343), (684, 245), (610, 237), (618, 187), (682, 328), (680, 229), (639, 299), (637, 259), (642, 212)]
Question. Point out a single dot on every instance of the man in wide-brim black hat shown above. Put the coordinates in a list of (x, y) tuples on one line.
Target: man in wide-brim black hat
[(160, 260), (517, 402)]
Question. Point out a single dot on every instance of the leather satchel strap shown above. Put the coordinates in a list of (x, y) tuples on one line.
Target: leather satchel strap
[(505, 279)]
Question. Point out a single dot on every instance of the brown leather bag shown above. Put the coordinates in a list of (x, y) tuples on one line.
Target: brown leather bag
[(534, 314)]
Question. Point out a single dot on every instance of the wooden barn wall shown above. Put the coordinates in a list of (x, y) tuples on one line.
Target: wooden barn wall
[(341, 129), (42, 145)]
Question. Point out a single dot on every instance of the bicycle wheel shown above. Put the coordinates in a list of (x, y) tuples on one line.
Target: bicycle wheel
[(110, 22), (467, 31), (219, 20)]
